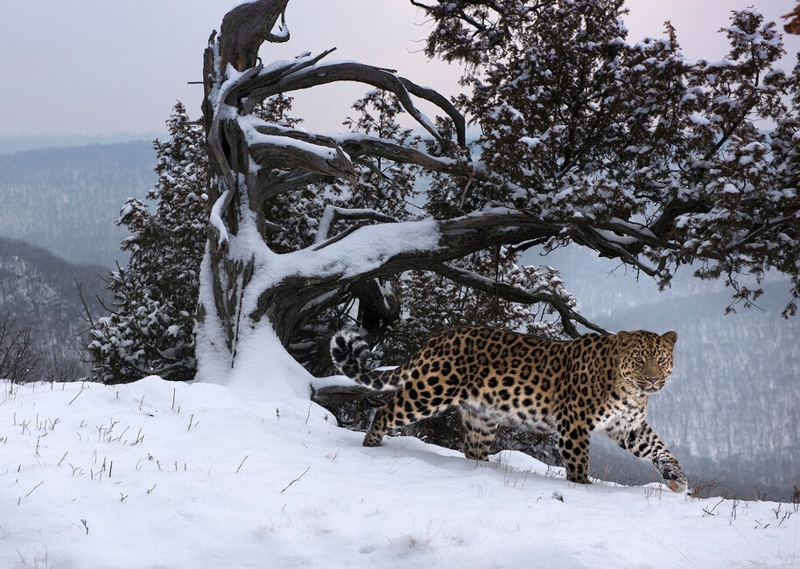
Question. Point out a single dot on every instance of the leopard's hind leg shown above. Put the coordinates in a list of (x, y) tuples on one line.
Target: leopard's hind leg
[(573, 443), (479, 433), (406, 406)]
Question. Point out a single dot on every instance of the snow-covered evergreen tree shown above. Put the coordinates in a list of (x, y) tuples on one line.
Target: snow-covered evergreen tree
[(632, 149), (154, 299)]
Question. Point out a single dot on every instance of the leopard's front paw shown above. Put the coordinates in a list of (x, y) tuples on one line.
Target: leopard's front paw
[(578, 479), (681, 487), (674, 478), (372, 440)]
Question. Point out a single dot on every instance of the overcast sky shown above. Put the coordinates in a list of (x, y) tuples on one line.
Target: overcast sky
[(90, 67)]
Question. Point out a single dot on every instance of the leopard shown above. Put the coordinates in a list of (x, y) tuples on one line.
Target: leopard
[(571, 388)]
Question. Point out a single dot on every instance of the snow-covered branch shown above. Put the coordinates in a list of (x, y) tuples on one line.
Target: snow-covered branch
[(266, 85), (355, 147), (333, 214), (569, 317)]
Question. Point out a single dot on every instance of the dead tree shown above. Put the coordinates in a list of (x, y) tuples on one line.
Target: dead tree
[(245, 285)]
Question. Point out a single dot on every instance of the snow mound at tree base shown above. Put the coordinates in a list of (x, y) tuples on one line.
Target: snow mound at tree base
[(161, 474)]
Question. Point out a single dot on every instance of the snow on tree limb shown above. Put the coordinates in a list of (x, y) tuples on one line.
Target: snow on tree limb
[(266, 85), (215, 218), (333, 213)]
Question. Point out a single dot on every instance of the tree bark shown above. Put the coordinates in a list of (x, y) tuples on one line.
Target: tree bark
[(248, 26)]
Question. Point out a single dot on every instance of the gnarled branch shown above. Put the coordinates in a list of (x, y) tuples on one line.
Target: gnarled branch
[(267, 85), (515, 294)]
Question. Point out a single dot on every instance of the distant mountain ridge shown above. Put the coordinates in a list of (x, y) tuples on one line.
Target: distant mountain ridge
[(67, 200), (11, 144)]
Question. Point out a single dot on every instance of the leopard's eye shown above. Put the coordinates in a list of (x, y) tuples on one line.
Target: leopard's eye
[(639, 360), (662, 360)]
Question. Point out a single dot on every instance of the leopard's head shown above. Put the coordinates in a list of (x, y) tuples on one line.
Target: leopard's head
[(645, 359)]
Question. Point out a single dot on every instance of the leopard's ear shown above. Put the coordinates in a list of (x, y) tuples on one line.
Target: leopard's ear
[(624, 338), (670, 337)]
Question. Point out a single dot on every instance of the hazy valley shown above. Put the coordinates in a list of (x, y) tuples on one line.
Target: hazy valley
[(67, 200)]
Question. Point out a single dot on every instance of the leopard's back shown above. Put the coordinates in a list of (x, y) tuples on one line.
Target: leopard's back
[(489, 370)]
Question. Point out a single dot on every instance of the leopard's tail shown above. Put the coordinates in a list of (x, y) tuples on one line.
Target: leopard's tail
[(349, 350)]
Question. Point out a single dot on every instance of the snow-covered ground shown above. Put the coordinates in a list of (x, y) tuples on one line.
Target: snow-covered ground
[(160, 474)]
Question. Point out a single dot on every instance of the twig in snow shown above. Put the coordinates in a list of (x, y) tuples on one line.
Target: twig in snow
[(42, 482), (74, 398), (295, 480)]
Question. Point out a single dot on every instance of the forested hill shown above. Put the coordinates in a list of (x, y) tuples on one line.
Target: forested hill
[(39, 291), (68, 199)]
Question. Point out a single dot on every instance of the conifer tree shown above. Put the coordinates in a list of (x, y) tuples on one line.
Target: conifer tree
[(151, 322), (631, 149)]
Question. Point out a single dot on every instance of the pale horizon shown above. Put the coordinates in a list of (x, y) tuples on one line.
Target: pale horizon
[(112, 68)]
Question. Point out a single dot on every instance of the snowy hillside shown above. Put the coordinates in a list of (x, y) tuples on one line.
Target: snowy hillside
[(39, 291), (174, 475)]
